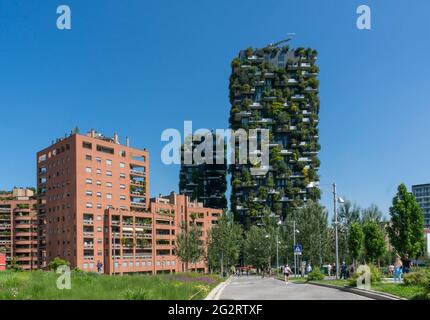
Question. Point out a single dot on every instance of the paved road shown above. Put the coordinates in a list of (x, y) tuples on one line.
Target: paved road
[(256, 288)]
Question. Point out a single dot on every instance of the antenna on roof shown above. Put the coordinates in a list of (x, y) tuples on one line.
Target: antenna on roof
[(289, 37)]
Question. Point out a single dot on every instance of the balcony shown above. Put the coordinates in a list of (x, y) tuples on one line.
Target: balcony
[(256, 105), (138, 194), (242, 114), (89, 245), (255, 58), (262, 120), (138, 204), (138, 173), (91, 258), (127, 235), (137, 183), (298, 97), (88, 221), (88, 234)]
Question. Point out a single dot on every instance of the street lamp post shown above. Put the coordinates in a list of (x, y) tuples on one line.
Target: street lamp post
[(294, 243), (336, 229), (294, 240), (277, 253)]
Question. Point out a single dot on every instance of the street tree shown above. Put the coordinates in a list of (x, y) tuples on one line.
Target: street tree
[(348, 214), (372, 214), (189, 246), (407, 224), (257, 247), (312, 223), (355, 241), (224, 243), (374, 241)]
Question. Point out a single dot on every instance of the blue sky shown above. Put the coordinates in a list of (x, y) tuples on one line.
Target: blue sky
[(138, 67)]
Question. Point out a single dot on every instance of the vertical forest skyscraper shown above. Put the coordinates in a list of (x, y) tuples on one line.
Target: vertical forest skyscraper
[(276, 88), (205, 182)]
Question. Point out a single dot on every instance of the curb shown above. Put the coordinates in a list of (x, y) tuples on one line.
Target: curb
[(216, 292), (365, 293)]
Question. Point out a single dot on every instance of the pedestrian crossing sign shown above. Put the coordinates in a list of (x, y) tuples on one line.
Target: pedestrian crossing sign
[(298, 249)]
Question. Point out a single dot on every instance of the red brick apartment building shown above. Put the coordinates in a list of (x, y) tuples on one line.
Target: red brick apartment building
[(18, 228), (94, 205)]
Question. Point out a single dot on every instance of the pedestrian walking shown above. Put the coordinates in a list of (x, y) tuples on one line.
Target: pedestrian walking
[(351, 270), (398, 270), (308, 268), (99, 266), (391, 270), (287, 272), (329, 268), (343, 270)]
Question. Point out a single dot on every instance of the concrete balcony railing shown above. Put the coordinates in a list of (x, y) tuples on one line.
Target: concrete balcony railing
[(138, 204), (137, 173)]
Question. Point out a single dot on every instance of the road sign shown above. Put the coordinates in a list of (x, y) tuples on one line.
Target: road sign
[(298, 249)]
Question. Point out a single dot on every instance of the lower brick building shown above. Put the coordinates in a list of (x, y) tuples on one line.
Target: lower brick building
[(18, 228), (144, 242)]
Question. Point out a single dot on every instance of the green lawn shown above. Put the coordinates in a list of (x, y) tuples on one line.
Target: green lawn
[(400, 290), (89, 286)]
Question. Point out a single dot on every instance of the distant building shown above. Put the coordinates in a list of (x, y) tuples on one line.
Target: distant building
[(422, 194), (205, 182), (427, 234), (18, 228)]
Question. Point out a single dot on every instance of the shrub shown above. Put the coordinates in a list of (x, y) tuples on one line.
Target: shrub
[(139, 294), (54, 264), (418, 278), (375, 276), (315, 274)]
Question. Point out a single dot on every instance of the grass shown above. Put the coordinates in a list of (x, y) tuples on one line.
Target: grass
[(40, 285), (410, 292), (401, 290)]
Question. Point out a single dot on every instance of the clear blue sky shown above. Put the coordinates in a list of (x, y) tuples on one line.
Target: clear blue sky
[(138, 67)]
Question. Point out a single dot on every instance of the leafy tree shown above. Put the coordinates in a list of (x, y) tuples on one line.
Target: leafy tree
[(348, 214), (57, 262), (407, 224), (372, 214), (189, 247), (312, 223), (225, 239), (374, 241), (257, 247), (355, 240)]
